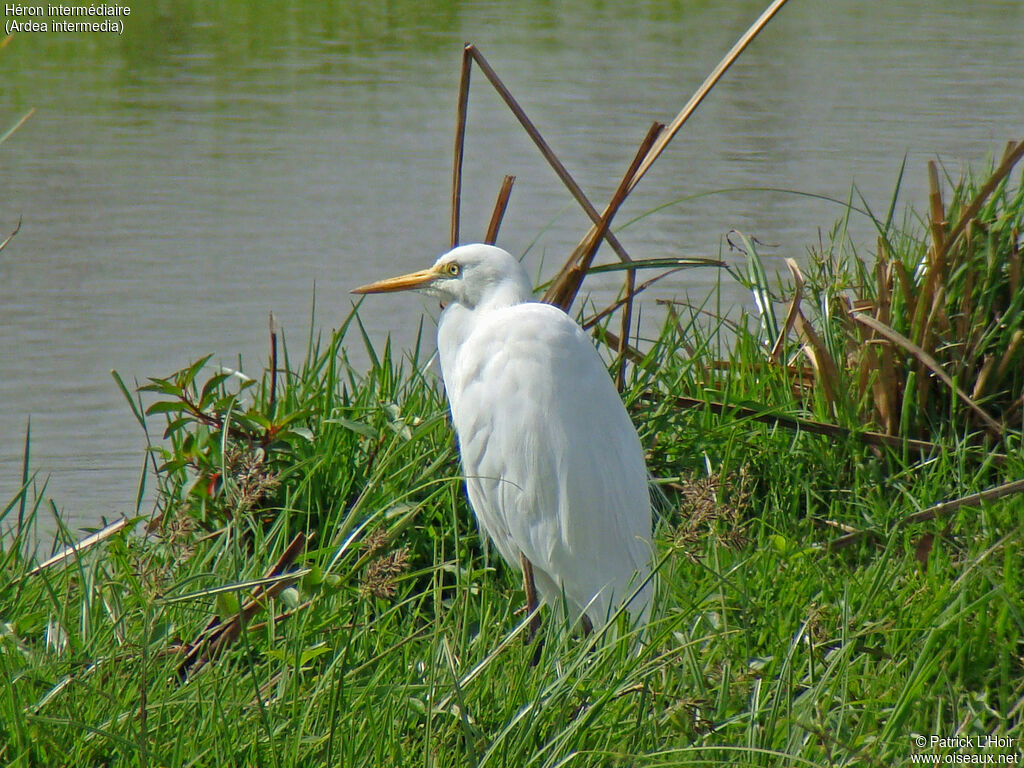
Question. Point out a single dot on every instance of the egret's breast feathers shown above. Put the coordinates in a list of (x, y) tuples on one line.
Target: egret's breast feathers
[(551, 458)]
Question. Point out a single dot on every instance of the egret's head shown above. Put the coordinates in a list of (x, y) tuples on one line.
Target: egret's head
[(469, 275)]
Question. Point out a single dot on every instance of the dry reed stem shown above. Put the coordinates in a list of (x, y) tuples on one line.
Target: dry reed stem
[(709, 82), (273, 361), (1014, 265), (822, 361), (906, 286), (498, 214), (218, 635), (879, 360), (794, 310), (627, 320), (803, 374), (1011, 352), (632, 353), (531, 130), (677, 320), (460, 145), (1014, 153), (929, 340), (938, 212), (17, 125), (931, 363), (944, 509), (981, 382), (932, 295), (11, 236), (79, 547), (566, 284), (804, 425), (593, 320)]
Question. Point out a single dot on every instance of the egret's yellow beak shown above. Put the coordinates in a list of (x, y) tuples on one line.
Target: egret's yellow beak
[(400, 283)]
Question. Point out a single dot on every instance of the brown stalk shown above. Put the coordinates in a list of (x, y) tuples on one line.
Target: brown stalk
[(709, 82), (804, 425), (593, 320), (1014, 267), (218, 635), (885, 389), (794, 310), (499, 210), (926, 301), (981, 382), (944, 509), (79, 547), (1011, 352), (938, 212), (906, 287), (821, 359), (932, 295), (804, 373), (1014, 152), (273, 361), (928, 340), (542, 145), (604, 335), (566, 284), (460, 145), (931, 363), (674, 314), (14, 129), (627, 319), (11, 236)]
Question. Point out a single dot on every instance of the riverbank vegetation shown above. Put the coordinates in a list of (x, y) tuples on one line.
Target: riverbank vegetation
[(837, 477)]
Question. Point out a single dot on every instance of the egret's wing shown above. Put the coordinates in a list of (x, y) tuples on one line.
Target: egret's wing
[(553, 464)]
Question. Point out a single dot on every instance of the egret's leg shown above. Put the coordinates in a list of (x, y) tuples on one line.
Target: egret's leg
[(532, 604)]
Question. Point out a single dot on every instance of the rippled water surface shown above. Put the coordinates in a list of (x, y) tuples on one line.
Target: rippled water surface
[(217, 161)]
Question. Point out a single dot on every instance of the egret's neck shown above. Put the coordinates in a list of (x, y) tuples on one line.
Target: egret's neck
[(508, 293), (458, 320)]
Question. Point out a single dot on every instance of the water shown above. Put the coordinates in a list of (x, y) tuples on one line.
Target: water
[(218, 161)]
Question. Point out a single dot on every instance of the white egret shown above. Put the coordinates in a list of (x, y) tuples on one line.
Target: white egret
[(554, 469)]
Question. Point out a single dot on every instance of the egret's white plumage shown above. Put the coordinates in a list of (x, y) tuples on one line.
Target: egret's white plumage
[(554, 468)]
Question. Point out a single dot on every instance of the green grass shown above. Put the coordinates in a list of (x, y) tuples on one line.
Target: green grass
[(398, 641)]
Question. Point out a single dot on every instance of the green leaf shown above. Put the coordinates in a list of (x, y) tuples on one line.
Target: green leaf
[(184, 378), (227, 605), (303, 432), (314, 578), (176, 425), (356, 426), (666, 263), (313, 652), (165, 406), (163, 386), (211, 386)]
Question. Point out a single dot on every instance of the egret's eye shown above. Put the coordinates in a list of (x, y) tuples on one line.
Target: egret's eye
[(452, 269)]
